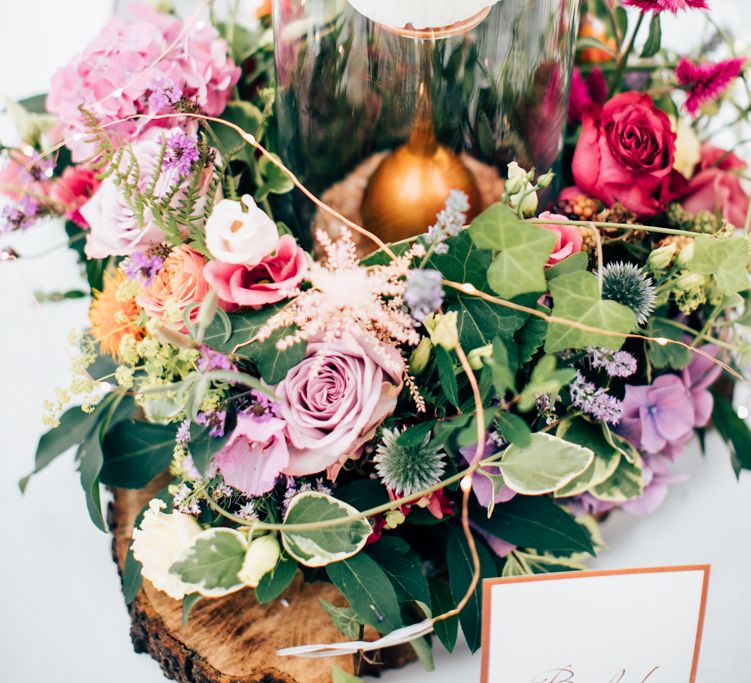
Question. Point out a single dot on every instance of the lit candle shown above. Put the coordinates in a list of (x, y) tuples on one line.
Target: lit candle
[(420, 14)]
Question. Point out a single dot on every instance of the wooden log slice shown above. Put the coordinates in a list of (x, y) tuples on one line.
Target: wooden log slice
[(234, 639)]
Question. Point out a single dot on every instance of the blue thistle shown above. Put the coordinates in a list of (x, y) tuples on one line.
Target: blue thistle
[(627, 284), (407, 469)]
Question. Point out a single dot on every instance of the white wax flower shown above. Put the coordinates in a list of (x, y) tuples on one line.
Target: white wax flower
[(420, 14)]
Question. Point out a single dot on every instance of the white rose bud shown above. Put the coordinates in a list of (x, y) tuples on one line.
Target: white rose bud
[(420, 357), (661, 258), (476, 356), (262, 555), (237, 236), (443, 330), (686, 254), (159, 541)]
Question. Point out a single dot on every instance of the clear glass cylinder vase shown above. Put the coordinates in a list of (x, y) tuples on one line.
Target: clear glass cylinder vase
[(355, 84)]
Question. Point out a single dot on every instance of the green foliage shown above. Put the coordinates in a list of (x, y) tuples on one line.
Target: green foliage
[(535, 522), (447, 375), (461, 571), (666, 355), (345, 619), (403, 566), (577, 299), (725, 260), (368, 591), (212, 561), (545, 379), (519, 267), (338, 675), (320, 547), (479, 322), (654, 40), (189, 602), (136, 452), (274, 364), (734, 431), (463, 262), (446, 630), (363, 494), (275, 582), (203, 446), (626, 483)]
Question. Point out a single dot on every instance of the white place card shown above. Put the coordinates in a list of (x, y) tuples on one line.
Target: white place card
[(620, 626)]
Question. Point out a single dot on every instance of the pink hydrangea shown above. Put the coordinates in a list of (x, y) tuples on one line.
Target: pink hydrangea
[(123, 72)]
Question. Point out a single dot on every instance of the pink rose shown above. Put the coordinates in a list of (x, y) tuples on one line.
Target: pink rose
[(335, 398), (255, 455), (178, 284), (568, 238), (716, 187), (72, 190), (625, 153), (275, 278)]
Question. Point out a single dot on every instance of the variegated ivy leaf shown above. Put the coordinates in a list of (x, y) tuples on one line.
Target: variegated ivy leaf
[(545, 465), (626, 483), (523, 250), (211, 563), (576, 297), (320, 547), (725, 260)]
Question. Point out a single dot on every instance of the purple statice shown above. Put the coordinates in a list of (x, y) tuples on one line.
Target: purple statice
[(183, 433), (261, 407), (214, 421), (595, 401), (424, 292), (184, 501), (247, 511), (213, 360), (614, 363), (449, 222), (165, 94), (142, 266), (181, 153)]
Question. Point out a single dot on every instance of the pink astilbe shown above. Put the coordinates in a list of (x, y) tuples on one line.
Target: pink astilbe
[(706, 82), (673, 6), (346, 298)]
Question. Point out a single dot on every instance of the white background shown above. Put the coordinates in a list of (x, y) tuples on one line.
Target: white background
[(62, 618)]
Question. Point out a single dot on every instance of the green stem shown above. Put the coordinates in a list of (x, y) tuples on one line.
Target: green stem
[(623, 226), (623, 59), (698, 335)]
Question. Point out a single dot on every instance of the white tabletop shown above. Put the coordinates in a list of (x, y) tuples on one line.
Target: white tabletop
[(62, 617)]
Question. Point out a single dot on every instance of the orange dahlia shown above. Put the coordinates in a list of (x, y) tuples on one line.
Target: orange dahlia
[(112, 319)]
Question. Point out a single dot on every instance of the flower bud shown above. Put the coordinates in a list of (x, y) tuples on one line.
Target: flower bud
[(662, 258), (687, 282), (262, 555), (544, 181), (529, 204), (517, 179), (443, 330), (686, 254), (420, 357), (476, 356)]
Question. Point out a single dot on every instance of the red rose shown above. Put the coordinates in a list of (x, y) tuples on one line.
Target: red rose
[(72, 190), (716, 187), (271, 280), (625, 154)]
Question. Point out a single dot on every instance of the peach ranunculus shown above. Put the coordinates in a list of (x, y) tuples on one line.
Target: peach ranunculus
[(334, 400), (72, 190), (275, 278), (178, 284), (568, 237), (716, 187)]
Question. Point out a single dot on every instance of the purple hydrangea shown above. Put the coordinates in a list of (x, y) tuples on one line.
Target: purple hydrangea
[(181, 153), (595, 401), (213, 360), (424, 293), (144, 266), (614, 363)]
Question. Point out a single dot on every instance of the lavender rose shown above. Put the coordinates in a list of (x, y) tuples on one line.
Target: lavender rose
[(334, 401)]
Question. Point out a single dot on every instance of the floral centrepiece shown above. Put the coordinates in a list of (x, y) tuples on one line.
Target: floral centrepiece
[(327, 411)]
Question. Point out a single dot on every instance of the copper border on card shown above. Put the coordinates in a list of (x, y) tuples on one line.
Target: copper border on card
[(488, 583)]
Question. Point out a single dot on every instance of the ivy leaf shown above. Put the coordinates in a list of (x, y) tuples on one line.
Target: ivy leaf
[(571, 264), (275, 180), (668, 355), (463, 262), (725, 260), (320, 547), (461, 571), (368, 591), (524, 249), (535, 522), (530, 337), (245, 115), (136, 452), (479, 321), (275, 582), (547, 464), (576, 298), (345, 619), (211, 563), (404, 568)]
